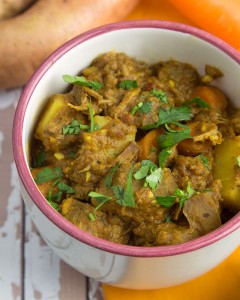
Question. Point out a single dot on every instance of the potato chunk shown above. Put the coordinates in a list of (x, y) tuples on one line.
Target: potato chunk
[(225, 161), (55, 104)]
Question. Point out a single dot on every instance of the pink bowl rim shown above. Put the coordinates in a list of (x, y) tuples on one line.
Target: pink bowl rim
[(23, 169)]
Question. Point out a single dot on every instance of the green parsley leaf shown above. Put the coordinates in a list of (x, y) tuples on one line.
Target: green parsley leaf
[(102, 199), (153, 149), (205, 161), (146, 107), (183, 196), (154, 179), (161, 95), (54, 205), (128, 84), (136, 108), (109, 178), (73, 128), (91, 117), (199, 101), (166, 201), (172, 115), (95, 85), (52, 197), (48, 174), (172, 138), (151, 173), (118, 192), (39, 159), (62, 186), (128, 197), (146, 166), (164, 155)]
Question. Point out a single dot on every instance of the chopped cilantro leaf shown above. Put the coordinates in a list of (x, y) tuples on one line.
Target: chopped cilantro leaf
[(39, 159), (161, 95), (109, 178), (199, 101), (146, 166), (128, 197), (146, 107), (95, 85), (154, 178), (163, 156), (128, 84), (65, 188), (102, 199), (48, 174), (136, 108), (204, 160), (166, 201), (73, 128), (172, 138), (150, 172), (172, 115)]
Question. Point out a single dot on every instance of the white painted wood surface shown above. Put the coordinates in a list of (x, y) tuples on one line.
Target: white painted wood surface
[(29, 269)]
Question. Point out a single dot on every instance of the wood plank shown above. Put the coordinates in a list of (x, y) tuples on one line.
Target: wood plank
[(10, 206), (46, 275)]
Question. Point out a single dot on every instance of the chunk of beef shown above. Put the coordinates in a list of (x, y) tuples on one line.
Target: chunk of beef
[(105, 226)]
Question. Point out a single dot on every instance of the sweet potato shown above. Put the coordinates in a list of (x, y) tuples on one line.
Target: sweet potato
[(27, 39), (11, 8)]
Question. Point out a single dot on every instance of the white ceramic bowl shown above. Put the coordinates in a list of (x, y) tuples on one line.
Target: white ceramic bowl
[(121, 265)]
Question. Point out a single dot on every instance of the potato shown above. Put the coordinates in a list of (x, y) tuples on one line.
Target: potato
[(225, 161), (26, 40), (55, 104)]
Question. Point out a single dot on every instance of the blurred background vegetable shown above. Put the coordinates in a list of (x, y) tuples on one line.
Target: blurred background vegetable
[(219, 17)]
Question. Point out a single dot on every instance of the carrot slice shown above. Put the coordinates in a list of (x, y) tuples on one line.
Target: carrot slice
[(219, 17)]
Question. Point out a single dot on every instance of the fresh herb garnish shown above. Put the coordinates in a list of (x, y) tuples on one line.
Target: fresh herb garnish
[(179, 196), (172, 115), (146, 167), (39, 159), (161, 95), (125, 195), (151, 173), (109, 178), (48, 174), (204, 160), (128, 84), (102, 199), (128, 197), (95, 85), (92, 124), (65, 188), (154, 178), (142, 107), (166, 201), (136, 108), (163, 156), (199, 101), (146, 107), (172, 138), (74, 128)]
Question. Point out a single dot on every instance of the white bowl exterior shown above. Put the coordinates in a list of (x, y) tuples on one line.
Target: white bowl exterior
[(151, 45)]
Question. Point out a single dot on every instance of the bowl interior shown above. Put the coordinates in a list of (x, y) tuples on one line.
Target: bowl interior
[(151, 41)]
